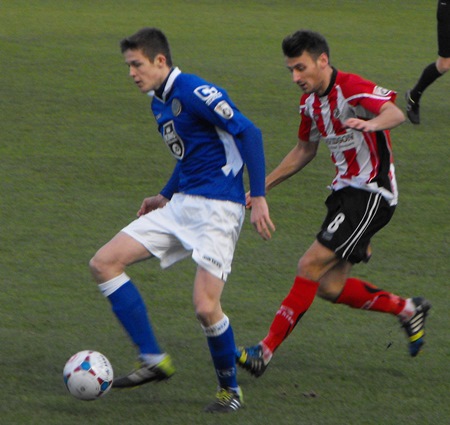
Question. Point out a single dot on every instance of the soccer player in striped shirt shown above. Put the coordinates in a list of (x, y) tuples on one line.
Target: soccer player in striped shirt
[(352, 116)]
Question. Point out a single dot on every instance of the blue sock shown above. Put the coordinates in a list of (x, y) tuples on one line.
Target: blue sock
[(128, 306), (222, 347)]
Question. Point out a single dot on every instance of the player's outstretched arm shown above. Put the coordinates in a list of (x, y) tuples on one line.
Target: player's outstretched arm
[(390, 116), (292, 163)]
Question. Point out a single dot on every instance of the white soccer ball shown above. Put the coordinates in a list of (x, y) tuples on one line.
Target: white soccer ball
[(88, 375)]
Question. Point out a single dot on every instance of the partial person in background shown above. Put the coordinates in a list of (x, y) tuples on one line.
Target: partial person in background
[(434, 70)]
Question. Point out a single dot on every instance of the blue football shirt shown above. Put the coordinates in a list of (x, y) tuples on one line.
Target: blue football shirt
[(205, 132)]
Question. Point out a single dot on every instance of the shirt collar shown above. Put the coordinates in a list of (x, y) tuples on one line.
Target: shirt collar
[(332, 81), (166, 86)]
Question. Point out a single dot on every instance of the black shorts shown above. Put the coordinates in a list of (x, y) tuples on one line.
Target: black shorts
[(443, 28), (354, 216)]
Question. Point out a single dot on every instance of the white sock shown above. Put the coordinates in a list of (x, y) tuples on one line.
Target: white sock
[(152, 359), (218, 328), (408, 311), (267, 354), (107, 288)]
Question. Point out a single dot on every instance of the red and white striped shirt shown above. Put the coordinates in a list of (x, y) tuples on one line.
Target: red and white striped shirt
[(363, 160)]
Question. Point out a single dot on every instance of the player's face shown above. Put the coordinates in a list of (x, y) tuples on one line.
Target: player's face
[(147, 75), (308, 73)]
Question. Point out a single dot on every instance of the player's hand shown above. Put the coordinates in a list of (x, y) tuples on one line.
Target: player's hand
[(248, 201), (360, 125), (260, 217), (152, 203)]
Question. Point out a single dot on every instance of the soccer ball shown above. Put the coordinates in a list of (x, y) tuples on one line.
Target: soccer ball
[(88, 375)]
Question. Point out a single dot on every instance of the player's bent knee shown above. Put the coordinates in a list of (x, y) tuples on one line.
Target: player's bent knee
[(204, 315), (308, 269), (94, 267), (207, 313), (102, 270)]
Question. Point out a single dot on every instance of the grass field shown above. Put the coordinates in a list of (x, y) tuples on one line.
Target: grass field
[(79, 151)]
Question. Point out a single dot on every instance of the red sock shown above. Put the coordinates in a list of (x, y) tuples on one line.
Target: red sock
[(360, 294), (292, 309)]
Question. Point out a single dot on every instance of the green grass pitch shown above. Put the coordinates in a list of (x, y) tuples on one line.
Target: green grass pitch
[(79, 151)]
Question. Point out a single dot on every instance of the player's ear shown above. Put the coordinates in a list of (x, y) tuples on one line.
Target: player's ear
[(160, 60), (323, 60)]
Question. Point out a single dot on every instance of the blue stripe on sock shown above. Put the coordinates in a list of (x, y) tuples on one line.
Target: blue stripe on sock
[(128, 306), (222, 350)]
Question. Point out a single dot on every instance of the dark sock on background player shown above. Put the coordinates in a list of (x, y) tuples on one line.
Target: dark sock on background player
[(429, 75)]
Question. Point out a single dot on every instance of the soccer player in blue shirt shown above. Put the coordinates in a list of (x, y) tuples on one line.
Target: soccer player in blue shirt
[(199, 212)]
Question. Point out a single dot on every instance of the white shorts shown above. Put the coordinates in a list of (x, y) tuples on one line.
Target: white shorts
[(206, 228)]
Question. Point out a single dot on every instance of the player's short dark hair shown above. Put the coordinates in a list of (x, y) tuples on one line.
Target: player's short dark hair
[(305, 40), (151, 41)]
